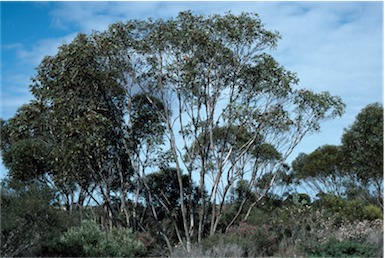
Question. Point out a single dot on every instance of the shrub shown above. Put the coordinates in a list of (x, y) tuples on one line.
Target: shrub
[(372, 212), (90, 240), (347, 248), (243, 240), (231, 246), (219, 249), (350, 210), (257, 239), (359, 230)]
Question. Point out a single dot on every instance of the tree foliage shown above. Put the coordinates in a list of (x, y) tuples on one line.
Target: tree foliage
[(197, 93), (30, 218), (347, 248), (363, 147), (353, 169), (216, 75), (321, 169)]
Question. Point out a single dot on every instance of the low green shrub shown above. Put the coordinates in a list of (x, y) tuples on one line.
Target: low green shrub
[(346, 248), (350, 210), (372, 212), (89, 240)]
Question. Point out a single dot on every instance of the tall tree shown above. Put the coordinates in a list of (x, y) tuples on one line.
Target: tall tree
[(362, 146), (212, 72), (80, 100)]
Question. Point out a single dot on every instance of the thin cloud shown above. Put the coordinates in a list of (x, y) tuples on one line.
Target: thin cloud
[(16, 76), (42, 48), (11, 46), (11, 102)]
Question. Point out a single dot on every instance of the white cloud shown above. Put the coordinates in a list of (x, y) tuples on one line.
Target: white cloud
[(33, 55), (336, 47), (14, 93), (333, 48), (11, 46), (15, 79), (88, 16)]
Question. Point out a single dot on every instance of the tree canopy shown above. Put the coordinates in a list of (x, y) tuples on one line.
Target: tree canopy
[(353, 168), (363, 146), (196, 93), (321, 169)]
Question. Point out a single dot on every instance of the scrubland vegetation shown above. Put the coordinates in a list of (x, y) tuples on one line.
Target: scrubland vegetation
[(171, 138)]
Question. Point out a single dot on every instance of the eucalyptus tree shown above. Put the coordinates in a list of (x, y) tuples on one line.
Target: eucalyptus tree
[(363, 149), (214, 73), (27, 151), (85, 132), (198, 93), (22, 134), (76, 118), (321, 170), (353, 167)]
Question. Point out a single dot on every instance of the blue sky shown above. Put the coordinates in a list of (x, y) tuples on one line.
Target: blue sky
[(332, 46)]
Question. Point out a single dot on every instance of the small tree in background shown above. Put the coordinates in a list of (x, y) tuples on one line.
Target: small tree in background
[(354, 169), (31, 219), (321, 170), (363, 149)]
